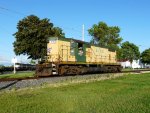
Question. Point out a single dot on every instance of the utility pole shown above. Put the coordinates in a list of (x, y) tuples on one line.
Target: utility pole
[(14, 61), (83, 32)]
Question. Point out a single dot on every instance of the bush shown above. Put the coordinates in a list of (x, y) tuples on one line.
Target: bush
[(2, 68)]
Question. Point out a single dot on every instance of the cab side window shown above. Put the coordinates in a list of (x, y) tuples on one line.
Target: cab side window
[(80, 49), (72, 48)]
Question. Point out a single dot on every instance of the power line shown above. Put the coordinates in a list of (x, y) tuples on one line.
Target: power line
[(12, 11), (4, 13)]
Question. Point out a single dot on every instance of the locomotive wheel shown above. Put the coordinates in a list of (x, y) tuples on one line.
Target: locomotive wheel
[(119, 68), (63, 70), (72, 70)]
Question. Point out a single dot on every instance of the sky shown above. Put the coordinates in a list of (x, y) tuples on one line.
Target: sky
[(132, 17)]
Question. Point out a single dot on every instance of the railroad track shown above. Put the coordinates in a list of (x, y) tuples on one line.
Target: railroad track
[(18, 79), (31, 78)]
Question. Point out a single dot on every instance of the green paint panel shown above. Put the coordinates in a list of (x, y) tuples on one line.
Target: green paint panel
[(80, 52)]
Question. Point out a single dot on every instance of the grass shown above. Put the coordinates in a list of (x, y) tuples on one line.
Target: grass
[(130, 69), (127, 94), (18, 75)]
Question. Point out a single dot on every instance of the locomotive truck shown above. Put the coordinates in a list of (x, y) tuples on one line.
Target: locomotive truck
[(68, 56)]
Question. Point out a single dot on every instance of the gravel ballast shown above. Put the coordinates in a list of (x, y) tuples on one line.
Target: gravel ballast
[(55, 81)]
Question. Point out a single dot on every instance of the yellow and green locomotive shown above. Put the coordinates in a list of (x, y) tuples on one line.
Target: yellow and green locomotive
[(70, 56)]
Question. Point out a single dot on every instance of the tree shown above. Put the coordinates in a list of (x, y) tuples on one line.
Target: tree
[(2, 68), (105, 35), (129, 51), (145, 56), (32, 62), (32, 36), (119, 54)]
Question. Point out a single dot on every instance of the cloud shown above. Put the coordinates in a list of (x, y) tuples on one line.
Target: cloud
[(3, 59)]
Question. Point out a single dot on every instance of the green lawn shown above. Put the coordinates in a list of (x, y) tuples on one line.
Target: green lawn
[(130, 69), (18, 75), (127, 94)]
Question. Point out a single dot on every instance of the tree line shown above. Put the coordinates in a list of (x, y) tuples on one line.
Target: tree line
[(32, 38)]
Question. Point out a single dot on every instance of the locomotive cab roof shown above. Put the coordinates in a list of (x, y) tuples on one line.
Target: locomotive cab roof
[(80, 41)]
